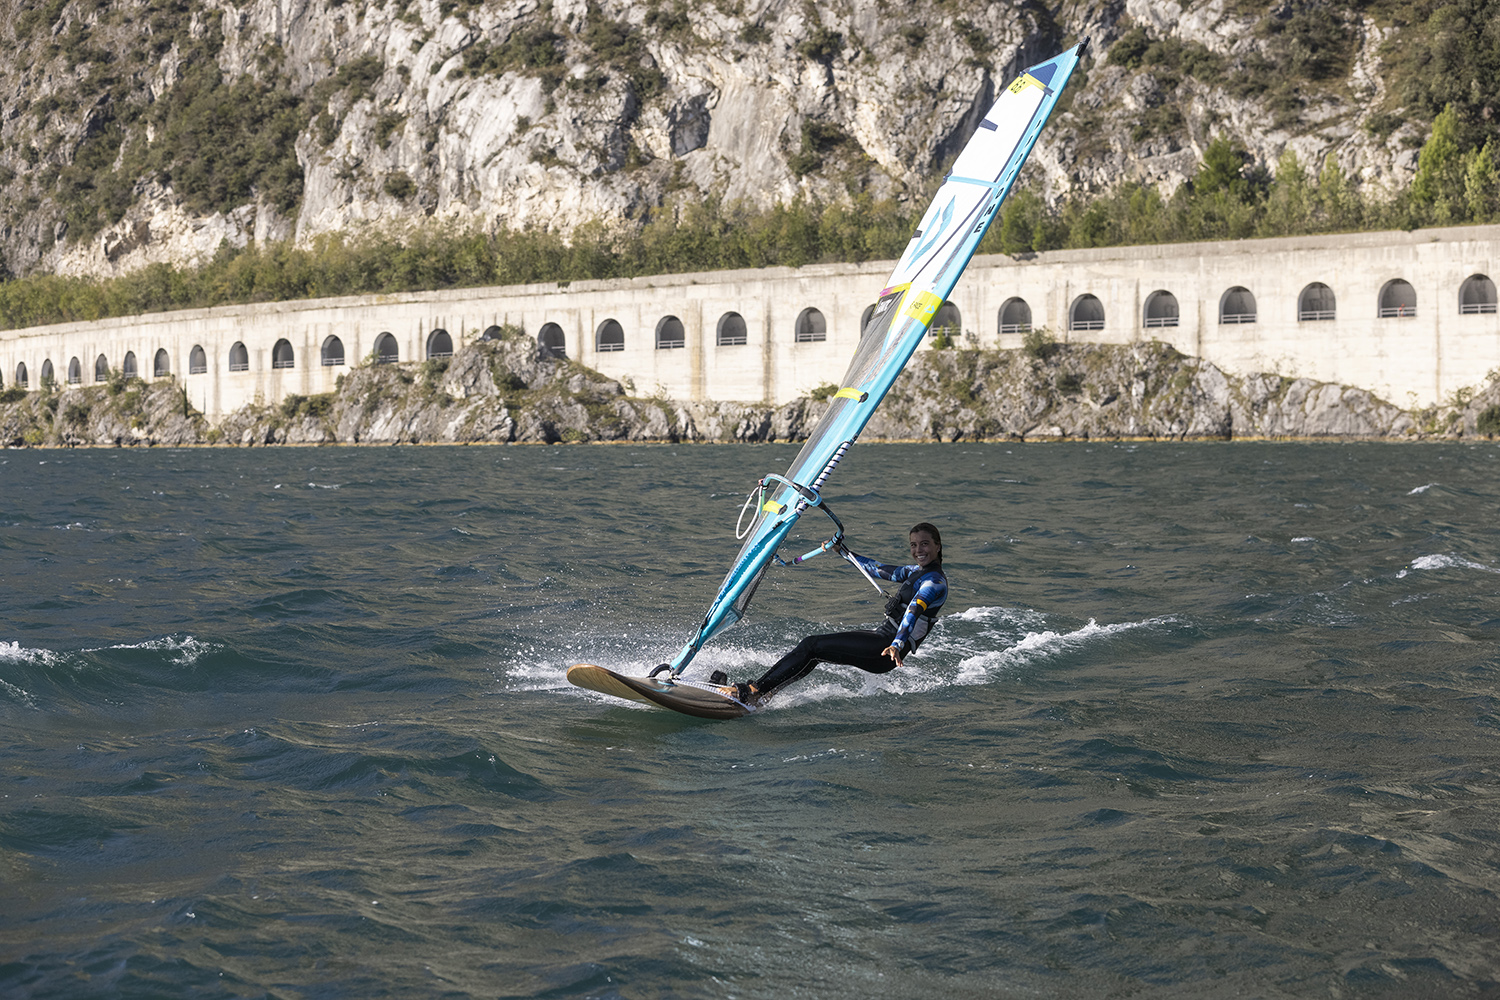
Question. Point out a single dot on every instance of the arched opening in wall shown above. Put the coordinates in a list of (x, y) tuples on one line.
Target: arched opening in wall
[(1087, 313), (332, 354), (161, 364), (1161, 309), (1398, 300), (866, 316), (75, 372), (1015, 316), (491, 332), (128, 367), (1236, 306), (1476, 295), (732, 331), (197, 361), (669, 334), (21, 376), (101, 369), (49, 377), (609, 337), (1316, 303), (239, 358), (947, 324), (811, 327), (386, 351), (551, 342), (282, 356), (439, 344)]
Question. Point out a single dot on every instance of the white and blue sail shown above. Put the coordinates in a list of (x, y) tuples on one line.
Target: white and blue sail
[(951, 229)]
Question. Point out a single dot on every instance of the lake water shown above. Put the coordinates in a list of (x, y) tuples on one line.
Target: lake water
[(1205, 720)]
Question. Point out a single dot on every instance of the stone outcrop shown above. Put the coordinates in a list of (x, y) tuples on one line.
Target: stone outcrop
[(501, 391), (1145, 390), (504, 114), (115, 413)]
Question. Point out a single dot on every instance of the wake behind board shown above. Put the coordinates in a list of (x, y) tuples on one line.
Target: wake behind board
[(687, 697)]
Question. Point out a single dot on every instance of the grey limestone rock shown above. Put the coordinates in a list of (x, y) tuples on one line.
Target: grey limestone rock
[(503, 392), (456, 111)]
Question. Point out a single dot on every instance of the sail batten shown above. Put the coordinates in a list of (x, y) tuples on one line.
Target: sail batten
[(934, 259)]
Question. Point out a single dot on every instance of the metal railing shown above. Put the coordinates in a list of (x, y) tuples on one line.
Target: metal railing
[(1152, 321), (1315, 314), (1228, 319), (606, 346), (810, 336), (1398, 312), (331, 362), (1086, 324), (239, 366), (1475, 308), (733, 339), (1015, 327), (289, 363), (665, 344)]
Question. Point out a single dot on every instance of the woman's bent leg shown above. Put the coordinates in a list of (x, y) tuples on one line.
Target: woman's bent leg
[(855, 649)]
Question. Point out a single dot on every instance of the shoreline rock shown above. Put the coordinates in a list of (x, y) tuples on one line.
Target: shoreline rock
[(503, 392)]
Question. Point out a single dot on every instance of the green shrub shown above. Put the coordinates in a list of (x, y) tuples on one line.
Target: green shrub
[(822, 45), (294, 407), (1038, 343), (1488, 423), (399, 186), (822, 392)]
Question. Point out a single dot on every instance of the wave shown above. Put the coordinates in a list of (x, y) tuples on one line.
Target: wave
[(67, 680), (1445, 561), (14, 652), (1420, 489), (182, 651), (977, 646)]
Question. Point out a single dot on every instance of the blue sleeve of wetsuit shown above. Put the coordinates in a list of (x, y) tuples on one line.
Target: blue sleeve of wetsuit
[(930, 595)]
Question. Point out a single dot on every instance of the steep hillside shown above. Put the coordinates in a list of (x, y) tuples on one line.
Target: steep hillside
[(143, 130)]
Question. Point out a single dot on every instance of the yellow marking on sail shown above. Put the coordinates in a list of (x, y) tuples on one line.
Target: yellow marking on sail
[(849, 392), (773, 507), (1026, 80), (923, 307)]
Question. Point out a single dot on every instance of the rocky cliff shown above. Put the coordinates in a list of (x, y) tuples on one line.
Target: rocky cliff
[(502, 392), (156, 130)]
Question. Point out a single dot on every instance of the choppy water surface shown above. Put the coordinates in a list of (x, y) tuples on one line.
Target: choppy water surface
[(1207, 720)]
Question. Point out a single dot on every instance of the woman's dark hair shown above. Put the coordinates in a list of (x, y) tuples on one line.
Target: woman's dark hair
[(931, 529)]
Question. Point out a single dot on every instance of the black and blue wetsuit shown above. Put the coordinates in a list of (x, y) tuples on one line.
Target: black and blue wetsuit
[(908, 619)]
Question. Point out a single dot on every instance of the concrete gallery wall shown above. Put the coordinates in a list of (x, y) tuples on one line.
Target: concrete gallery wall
[(1411, 316)]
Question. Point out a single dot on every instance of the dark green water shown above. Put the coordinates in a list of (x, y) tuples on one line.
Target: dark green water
[(1209, 720)]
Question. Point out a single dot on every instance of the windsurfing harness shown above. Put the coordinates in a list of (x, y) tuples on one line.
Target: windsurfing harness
[(910, 614)]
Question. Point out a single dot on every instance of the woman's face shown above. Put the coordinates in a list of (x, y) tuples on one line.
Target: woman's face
[(923, 548)]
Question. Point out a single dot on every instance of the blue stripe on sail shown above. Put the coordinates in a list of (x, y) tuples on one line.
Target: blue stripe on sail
[(972, 180)]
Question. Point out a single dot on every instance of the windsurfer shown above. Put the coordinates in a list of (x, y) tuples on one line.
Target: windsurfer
[(909, 617)]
